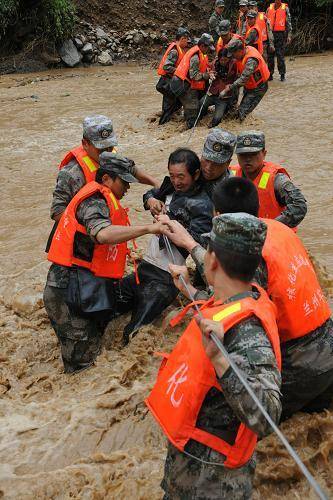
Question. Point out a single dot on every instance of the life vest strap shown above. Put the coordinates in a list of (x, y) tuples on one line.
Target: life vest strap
[(179, 317)]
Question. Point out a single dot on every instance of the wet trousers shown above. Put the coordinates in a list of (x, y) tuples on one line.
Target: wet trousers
[(190, 102), (79, 334), (251, 99), (147, 300), (222, 106), (170, 103), (307, 372), (280, 41), (187, 479)]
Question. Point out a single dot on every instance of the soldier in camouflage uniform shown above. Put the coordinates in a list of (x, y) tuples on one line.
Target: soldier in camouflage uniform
[(215, 19), (203, 475), (241, 23), (281, 40), (98, 137), (307, 362), (80, 325), (251, 97), (182, 88), (215, 160)]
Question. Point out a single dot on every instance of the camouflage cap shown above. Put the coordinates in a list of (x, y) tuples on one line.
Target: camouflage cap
[(250, 141), (182, 32), (233, 45), (207, 39), (219, 3), (240, 233), (252, 3), (243, 3), (252, 14), (119, 165), (99, 131), (219, 146), (224, 27)]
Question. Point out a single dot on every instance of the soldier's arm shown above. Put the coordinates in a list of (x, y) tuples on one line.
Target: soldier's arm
[(170, 62), (269, 33), (201, 215), (290, 196), (289, 24), (252, 37), (250, 349), (194, 71), (68, 183), (213, 25), (250, 68)]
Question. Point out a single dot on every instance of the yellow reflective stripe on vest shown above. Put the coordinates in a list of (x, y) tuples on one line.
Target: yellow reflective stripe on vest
[(261, 16), (90, 164), (227, 312), (264, 180), (114, 201), (283, 6)]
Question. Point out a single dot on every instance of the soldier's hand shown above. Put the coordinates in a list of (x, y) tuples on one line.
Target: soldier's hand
[(165, 219), (180, 275), (155, 228), (207, 327), (155, 206), (179, 236)]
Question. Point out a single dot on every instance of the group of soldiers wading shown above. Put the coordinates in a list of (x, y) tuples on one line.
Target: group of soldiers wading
[(244, 58), (257, 288)]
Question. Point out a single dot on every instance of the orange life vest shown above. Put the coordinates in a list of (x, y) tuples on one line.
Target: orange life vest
[(277, 18), (184, 66), (269, 207), (108, 261), (220, 43), (262, 72), (88, 165), (259, 43), (172, 46), (261, 22), (188, 375), (292, 283)]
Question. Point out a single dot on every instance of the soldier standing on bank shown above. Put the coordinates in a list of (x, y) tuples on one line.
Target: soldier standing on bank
[(241, 21), (211, 422), (278, 14), (215, 19)]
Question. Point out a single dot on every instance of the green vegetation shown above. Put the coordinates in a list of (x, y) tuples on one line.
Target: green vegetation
[(47, 19)]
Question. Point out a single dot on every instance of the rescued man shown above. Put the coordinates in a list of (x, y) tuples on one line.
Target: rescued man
[(278, 14), (168, 65), (88, 253), (215, 160), (279, 198), (186, 201), (215, 19), (81, 163), (241, 21), (303, 314), (211, 422), (253, 76), (190, 80), (225, 74)]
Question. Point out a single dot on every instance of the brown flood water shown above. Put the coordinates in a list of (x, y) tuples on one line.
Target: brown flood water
[(89, 436)]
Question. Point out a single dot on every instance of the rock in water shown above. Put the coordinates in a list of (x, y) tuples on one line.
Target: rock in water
[(105, 58), (69, 54), (87, 49), (79, 43)]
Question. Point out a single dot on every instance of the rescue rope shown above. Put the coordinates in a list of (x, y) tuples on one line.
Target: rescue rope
[(199, 114), (313, 483)]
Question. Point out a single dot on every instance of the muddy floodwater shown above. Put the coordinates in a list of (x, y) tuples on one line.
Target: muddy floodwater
[(89, 435)]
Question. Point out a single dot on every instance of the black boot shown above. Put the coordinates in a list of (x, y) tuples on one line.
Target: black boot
[(283, 78), (270, 77)]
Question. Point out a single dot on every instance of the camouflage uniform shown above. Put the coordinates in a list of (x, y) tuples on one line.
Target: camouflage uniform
[(79, 333), (306, 383), (286, 193), (214, 21), (280, 42), (170, 103), (221, 413)]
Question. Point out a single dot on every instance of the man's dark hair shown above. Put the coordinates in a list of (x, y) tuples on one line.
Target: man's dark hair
[(101, 171), (237, 266), (187, 156), (235, 195)]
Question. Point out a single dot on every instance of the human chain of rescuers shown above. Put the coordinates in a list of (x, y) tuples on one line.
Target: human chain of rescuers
[(254, 283)]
